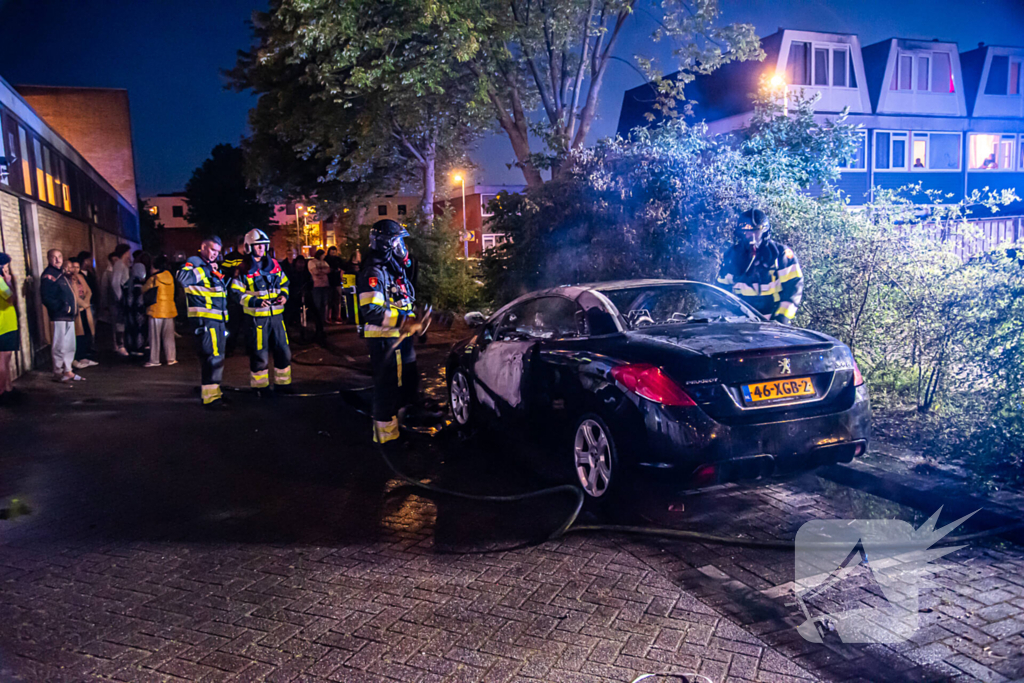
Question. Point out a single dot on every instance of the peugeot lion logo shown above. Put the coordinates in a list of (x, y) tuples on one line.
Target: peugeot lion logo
[(786, 369)]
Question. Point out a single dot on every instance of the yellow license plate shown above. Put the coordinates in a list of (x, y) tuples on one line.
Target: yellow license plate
[(778, 390)]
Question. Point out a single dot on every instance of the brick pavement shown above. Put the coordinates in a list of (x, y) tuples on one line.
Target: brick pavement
[(228, 550)]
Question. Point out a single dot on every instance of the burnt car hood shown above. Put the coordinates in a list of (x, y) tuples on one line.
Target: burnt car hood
[(718, 340)]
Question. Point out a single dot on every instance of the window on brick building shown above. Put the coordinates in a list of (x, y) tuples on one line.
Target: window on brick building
[(178, 211), (40, 174), (382, 209), (403, 210), (26, 170)]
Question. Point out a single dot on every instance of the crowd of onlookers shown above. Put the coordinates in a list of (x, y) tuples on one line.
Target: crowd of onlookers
[(136, 301)]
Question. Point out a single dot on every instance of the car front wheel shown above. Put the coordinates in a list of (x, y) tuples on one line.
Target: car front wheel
[(595, 457), (460, 398)]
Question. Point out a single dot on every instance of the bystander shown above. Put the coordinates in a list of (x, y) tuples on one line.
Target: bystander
[(59, 300), (319, 271), (162, 312), (10, 339), (85, 323)]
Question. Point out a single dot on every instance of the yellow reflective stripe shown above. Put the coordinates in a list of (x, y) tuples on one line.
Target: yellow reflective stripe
[(283, 375), (275, 309), (213, 341), (197, 290), (398, 362), (259, 337), (370, 298), (206, 313), (744, 289), (385, 431), (727, 280), (790, 273), (375, 331), (787, 309), (390, 318), (211, 392), (258, 380)]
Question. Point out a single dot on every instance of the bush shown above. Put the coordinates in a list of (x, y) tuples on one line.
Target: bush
[(445, 280)]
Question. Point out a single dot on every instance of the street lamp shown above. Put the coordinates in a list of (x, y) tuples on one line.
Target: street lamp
[(778, 82), (465, 233)]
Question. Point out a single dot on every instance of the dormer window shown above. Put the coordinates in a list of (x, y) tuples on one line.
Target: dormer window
[(1004, 76), (821, 64), (923, 72)]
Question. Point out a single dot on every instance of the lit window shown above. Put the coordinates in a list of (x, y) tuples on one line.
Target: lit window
[(40, 174), (382, 209), (154, 211), (891, 151), (26, 170), (990, 152), (62, 166), (935, 152), (858, 160)]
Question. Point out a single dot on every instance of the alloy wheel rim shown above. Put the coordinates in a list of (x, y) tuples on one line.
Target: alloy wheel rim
[(593, 458), (460, 398)]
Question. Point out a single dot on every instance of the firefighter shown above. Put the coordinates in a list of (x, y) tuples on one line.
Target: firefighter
[(261, 289), (762, 272), (206, 296), (386, 299)]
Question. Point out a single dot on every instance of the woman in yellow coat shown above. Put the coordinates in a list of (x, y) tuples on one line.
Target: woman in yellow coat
[(161, 312)]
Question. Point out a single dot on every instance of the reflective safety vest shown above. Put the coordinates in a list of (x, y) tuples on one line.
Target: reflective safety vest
[(260, 281), (770, 280), (206, 293), (385, 300)]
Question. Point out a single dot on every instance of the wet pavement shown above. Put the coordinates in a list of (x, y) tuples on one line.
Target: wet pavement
[(270, 542)]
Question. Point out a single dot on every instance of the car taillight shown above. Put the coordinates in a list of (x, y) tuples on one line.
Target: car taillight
[(858, 378), (651, 383)]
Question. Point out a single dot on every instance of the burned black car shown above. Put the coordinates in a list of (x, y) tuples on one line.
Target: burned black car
[(675, 379)]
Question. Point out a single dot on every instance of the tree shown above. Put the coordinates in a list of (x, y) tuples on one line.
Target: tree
[(554, 54), (389, 76), (220, 202)]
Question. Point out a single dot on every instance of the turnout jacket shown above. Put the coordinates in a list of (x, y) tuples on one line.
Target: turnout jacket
[(259, 281), (770, 281), (206, 293), (57, 295), (385, 299)]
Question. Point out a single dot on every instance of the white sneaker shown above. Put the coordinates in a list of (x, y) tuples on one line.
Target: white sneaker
[(90, 362), (151, 364)]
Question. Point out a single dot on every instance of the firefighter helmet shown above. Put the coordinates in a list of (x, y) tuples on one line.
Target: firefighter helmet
[(752, 228), (387, 237), (254, 237)]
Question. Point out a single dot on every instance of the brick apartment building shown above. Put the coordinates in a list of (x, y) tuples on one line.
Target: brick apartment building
[(67, 182)]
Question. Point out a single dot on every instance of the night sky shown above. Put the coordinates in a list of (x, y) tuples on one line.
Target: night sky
[(169, 55)]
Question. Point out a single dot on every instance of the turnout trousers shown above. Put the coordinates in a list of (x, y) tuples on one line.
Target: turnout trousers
[(394, 384), (210, 341), (267, 335)]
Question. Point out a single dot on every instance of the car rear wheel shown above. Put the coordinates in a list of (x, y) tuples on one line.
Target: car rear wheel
[(595, 457), (460, 398)]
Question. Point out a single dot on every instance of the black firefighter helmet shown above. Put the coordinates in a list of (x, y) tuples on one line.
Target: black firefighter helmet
[(387, 237), (752, 227)]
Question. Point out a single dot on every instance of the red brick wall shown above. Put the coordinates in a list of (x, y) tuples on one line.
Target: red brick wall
[(97, 123)]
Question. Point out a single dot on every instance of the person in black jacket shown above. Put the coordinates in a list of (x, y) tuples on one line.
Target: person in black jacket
[(59, 299)]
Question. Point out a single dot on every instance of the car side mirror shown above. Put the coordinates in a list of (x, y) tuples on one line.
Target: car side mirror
[(475, 319)]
